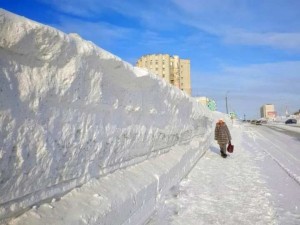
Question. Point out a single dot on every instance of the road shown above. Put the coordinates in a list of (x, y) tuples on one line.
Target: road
[(282, 145), (278, 150), (291, 130)]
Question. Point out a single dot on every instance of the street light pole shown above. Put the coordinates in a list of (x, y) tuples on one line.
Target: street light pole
[(226, 102)]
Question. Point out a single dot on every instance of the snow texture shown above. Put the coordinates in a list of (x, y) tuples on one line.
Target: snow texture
[(257, 184), (219, 191), (71, 112)]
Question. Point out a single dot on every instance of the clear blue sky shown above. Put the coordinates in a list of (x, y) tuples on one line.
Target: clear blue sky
[(249, 49)]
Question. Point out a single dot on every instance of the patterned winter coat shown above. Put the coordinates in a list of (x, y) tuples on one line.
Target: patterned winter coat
[(222, 134)]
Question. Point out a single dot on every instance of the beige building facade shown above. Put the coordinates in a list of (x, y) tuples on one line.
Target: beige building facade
[(202, 100), (268, 111), (210, 103), (171, 68)]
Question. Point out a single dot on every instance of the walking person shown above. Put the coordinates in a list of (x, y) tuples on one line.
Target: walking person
[(222, 136)]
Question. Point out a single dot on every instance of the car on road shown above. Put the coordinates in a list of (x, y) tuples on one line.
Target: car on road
[(258, 122), (263, 122), (253, 121), (291, 121)]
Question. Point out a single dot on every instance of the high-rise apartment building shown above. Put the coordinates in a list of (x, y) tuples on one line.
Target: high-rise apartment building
[(268, 111), (173, 69)]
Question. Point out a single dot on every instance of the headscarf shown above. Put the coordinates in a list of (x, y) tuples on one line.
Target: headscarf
[(220, 122)]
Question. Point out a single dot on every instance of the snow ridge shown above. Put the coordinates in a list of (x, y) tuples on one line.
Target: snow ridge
[(71, 111)]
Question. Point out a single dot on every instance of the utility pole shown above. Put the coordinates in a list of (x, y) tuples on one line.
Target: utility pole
[(244, 117)]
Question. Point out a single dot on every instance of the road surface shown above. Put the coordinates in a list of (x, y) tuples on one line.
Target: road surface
[(280, 150)]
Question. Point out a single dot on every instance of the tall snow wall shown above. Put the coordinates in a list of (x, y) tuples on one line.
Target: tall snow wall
[(71, 111)]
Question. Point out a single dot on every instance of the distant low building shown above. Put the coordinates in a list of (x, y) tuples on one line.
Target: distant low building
[(297, 115), (210, 103), (232, 115), (173, 69), (268, 111)]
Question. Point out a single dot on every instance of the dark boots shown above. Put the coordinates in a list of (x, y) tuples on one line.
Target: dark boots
[(224, 155)]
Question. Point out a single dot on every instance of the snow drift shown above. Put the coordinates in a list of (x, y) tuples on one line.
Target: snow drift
[(71, 111)]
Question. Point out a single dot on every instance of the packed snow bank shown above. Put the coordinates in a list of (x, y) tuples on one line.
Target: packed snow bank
[(70, 112), (127, 196)]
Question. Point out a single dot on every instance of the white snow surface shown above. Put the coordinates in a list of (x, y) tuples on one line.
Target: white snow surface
[(257, 184), (71, 112), (251, 186), (219, 191)]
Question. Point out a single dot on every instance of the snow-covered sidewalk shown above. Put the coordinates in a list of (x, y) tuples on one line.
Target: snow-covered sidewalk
[(220, 191)]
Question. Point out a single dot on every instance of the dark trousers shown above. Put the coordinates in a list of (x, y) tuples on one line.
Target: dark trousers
[(223, 148)]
